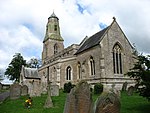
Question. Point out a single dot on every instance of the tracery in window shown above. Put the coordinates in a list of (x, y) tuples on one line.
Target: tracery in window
[(117, 59)]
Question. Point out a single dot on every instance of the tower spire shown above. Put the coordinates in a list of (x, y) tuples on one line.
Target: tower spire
[(53, 42), (52, 28)]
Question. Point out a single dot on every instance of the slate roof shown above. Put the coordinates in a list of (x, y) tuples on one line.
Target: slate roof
[(30, 73), (92, 41)]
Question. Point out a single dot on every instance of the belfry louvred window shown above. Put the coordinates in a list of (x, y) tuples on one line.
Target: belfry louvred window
[(117, 59), (55, 48)]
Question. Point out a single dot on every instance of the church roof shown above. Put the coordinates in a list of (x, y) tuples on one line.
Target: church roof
[(30, 73), (92, 41), (53, 16)]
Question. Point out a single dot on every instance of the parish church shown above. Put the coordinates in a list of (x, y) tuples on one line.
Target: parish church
[(104, 57)]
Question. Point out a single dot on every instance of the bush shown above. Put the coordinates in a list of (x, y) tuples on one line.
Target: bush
[(67, 87), (98, 88)]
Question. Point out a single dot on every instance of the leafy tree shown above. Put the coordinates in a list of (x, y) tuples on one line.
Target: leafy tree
[(34, 63), (141, 73), (14, 68)]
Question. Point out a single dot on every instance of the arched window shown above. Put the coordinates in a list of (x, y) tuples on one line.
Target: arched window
[(92, 66), (55, 48), (117, 59), (68, 73), (79, 70)]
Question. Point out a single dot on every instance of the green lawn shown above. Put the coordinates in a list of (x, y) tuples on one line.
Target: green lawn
[(129, 104), (134, 104)]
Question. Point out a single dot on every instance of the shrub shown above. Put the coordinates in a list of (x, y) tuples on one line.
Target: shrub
[(67, 87), (98, 88)]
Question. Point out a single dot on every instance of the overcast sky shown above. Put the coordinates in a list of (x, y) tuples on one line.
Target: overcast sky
[(23, 23)]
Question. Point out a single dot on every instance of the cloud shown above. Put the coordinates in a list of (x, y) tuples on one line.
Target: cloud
[(23, 23)]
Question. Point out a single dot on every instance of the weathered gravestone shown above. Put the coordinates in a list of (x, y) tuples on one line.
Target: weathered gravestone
[(15, 91), (24, 90), (54, 90), (124, 86), (130, 90), (108, 102), (79, 100)]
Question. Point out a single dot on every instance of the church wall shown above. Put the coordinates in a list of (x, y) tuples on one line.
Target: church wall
[(84, 59), (113, 36), (48, 48), (64, 64)]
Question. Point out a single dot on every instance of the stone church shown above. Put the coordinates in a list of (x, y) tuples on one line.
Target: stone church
[(103, 57)]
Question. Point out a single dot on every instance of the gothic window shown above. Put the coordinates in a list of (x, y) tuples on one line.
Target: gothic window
[(92, 66), (79, 70), (55, 48), (68, 73), (55, 27), (117, 59)]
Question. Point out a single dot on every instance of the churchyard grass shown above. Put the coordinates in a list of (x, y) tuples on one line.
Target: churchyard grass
[(134, 104), (129, 104)]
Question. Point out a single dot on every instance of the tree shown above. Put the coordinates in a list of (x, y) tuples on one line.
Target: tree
[(33, 63), (141, 73), (14, 68)]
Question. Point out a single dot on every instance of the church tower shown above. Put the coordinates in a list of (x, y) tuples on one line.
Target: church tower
[(53, 42)]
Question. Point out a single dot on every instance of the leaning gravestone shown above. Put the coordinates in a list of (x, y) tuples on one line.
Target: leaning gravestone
[(79, 100), (54, 90), (24, 90), (124, 86), (108, 102), (15, 91)]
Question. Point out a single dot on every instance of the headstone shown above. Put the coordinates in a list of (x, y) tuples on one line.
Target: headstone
[(124, 86), (24, 90), (108, 102), (54, 90), (136, 87), (15, 91), (130, 90), (115, 90), (1, 86), (79, 100)]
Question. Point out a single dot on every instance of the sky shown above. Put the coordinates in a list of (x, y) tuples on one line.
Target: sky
[(23, 23)]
